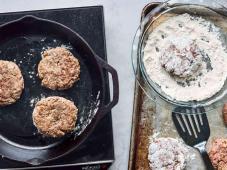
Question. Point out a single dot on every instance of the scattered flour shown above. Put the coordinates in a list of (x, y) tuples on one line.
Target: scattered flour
[(189, 74), (34, 100)]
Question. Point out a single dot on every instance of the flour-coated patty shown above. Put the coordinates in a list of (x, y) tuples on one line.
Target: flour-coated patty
[(55, 116), (58, 69), (11, 83)]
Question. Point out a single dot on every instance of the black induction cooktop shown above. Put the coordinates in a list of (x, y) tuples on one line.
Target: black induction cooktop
[(97, 152)]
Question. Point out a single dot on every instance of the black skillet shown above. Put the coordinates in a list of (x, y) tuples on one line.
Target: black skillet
[(22, 41)]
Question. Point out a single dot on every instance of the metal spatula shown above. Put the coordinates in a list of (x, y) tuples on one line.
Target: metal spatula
[(193, 127)]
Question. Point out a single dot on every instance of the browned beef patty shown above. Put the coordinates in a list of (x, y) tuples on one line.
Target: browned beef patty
[(55, 116), (58, 69), (11, 83)]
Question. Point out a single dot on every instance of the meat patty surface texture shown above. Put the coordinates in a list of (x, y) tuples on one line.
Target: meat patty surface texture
[(58, 69), (11, 83), (55, 116), (218, 153)]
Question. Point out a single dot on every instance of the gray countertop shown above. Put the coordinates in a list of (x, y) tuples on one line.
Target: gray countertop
[(121, 21)]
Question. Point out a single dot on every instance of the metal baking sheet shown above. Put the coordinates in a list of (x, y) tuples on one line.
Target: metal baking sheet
[(153, 120)]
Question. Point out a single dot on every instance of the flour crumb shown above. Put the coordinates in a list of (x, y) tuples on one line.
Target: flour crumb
[(34, 100)]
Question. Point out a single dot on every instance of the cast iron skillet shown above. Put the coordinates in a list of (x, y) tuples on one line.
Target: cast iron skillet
[(22, 41)]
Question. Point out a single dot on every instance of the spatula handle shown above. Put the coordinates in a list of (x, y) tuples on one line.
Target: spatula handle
[(206, 160), (202, 149)]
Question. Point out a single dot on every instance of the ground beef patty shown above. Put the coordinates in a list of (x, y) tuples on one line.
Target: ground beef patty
[(55, 116), (58, 69), (218, 153), (11, 83)]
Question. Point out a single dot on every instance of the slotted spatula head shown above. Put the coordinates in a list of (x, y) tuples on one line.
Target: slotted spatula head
[(192, 124)]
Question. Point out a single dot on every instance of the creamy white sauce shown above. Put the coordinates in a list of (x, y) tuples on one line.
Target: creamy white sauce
[(180, 30)]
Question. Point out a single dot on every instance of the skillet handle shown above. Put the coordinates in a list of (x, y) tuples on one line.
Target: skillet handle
[(115, 82)]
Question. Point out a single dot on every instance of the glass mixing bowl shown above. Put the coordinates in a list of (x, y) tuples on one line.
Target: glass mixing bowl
[(210, 10)]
